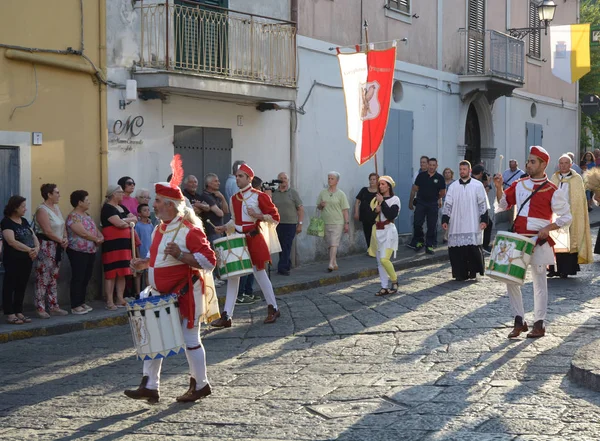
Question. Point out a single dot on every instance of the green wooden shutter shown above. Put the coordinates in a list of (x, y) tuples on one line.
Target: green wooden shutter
[(476, 37), (535, 37)]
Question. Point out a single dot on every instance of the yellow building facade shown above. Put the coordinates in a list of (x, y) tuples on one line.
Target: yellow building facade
[(52, 99), (53, 106)]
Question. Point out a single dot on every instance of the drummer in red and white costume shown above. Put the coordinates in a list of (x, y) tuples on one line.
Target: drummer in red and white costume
[(180, 257), (250, 207), (534, 220)]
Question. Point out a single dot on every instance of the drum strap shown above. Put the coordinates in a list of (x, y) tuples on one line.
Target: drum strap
[(183, 291), (512, 228)]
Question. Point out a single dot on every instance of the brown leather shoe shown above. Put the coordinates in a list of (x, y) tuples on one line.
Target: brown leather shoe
[(520, 326), (272, 315), (194, 395), (143, 393), (223, 322), (538, 330)]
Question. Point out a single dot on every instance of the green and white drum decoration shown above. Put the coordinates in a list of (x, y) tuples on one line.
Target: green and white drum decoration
[(233, 258), (510, 257)]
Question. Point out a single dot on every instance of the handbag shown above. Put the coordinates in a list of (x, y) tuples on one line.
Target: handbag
[(316, 226)]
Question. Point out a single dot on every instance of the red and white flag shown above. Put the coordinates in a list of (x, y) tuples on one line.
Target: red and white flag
[(367, 79)]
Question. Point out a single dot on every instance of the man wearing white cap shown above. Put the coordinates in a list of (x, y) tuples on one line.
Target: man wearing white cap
[(250, 207), (537, 200)]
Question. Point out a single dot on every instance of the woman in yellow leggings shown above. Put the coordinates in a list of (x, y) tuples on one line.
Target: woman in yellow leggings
[(384, 238)]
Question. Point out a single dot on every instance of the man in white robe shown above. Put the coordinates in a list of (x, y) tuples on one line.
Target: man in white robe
[(465, 216)]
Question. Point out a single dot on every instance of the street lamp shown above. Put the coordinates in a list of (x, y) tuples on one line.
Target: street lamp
[(546, 10)]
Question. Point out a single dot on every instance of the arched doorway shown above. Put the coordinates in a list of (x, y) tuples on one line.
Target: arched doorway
[(472, 137)]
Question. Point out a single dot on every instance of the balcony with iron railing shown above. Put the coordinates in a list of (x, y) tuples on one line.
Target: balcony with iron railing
[(491, 62), (216, 52)]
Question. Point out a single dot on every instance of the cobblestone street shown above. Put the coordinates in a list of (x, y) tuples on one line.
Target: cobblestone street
[(430, 363)]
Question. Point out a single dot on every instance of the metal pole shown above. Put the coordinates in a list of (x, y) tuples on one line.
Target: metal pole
[(366, 26), (167, 34)]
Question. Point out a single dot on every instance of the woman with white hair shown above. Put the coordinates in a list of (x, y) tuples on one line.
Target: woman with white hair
[(334, 207), (116, 250)]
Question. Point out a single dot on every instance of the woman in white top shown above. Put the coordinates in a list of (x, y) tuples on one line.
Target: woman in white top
[(49, 227), (384, 241)]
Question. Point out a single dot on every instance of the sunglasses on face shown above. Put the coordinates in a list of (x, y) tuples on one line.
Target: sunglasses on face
[(129, 183)]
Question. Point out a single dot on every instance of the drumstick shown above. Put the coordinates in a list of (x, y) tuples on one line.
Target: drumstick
[(132, 226), (500, 164), (175, 235)]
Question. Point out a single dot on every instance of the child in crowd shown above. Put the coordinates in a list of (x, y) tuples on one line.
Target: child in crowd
[(144, 229)]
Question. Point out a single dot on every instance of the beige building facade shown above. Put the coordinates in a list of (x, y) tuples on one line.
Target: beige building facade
[(464, 89)]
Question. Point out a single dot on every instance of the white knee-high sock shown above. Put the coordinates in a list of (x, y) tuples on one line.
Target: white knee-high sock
[(152, 371), (383, 275), (540, 292), (233, 283), (266, 286), (516, 300), (196, 357)]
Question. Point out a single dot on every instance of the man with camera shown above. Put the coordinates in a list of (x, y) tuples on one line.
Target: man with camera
[(288, 203)]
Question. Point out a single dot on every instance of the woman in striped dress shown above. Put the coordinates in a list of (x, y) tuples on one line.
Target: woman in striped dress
[(116, 223)]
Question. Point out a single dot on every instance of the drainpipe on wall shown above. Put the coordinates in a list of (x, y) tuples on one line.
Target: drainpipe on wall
[(294, 126), (103, 123)]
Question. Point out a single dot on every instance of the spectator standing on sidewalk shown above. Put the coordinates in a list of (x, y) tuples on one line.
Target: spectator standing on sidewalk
[(291, 213), (512, 174), (128, 186), (190, 192), (333, 203), (143, 197), (429, 189), (20, 247), (478, 172), (116, 250), (218, 208), (144, 229), (49, 226), (84, 238), (362, 207), (423, 167), (231, 187), (448, 175)]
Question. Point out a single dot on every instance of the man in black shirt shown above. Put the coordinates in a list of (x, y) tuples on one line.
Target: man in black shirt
[(429, 188), (189, 191), (217, 206)]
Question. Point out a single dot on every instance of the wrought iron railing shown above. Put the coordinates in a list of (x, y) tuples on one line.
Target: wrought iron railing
[(493, 53), (207, 40)]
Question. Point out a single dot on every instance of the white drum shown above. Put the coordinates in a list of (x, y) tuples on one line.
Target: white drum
[(156, 327), (233, 258)]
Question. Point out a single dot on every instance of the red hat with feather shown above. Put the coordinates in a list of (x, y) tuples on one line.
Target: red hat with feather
[(171, 189)]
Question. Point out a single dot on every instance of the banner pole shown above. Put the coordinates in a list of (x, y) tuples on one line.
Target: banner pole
[(366, 26)]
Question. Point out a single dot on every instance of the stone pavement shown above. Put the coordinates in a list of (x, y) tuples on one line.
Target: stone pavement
[(301, 278), (430, 363)]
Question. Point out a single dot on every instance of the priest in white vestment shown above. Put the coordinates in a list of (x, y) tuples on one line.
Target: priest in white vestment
[(465, 216)]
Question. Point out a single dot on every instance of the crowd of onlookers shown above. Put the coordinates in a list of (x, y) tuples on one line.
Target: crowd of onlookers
[(127, 220)]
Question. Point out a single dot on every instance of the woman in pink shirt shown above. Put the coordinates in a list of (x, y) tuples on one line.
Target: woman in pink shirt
[(128, 186)]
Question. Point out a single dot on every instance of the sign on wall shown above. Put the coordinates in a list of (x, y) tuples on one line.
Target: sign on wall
[(126, 132)]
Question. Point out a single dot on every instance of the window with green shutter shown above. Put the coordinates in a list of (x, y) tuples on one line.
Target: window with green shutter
[(535, 37), (476, 37)]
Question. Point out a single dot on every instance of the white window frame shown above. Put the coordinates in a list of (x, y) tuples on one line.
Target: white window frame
[(397, 14)]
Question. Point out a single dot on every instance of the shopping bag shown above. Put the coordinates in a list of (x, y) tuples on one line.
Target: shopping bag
[(316, 227)]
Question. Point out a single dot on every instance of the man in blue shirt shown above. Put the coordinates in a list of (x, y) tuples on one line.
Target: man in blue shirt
[(512, 174)]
